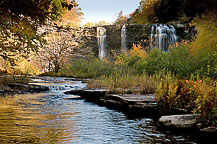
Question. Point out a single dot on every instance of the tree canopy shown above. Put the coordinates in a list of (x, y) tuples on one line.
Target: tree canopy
[(163, 11), (19, 22)]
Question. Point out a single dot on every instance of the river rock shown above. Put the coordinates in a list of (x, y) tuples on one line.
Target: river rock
[(179, 121), (29, 88), (4, 89), (209, 130), (89, 94), (140, 105)]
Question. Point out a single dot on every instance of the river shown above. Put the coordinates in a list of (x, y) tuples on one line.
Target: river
[(51, 118)]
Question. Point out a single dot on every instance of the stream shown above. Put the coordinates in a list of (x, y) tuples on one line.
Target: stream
[(52, 118)]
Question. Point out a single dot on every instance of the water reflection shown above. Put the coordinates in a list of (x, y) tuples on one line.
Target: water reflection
[(34, 119), (49, 118)]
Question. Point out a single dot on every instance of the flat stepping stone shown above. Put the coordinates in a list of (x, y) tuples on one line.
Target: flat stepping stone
[(179, 121), (137, 98)]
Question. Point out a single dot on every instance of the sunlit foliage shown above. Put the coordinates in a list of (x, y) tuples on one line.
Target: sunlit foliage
[(71, 18), (207, 38), (56, 52), (121, 19), (19, 22), (164, 11)]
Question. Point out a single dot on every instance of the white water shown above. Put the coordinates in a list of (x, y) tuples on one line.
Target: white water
[(58, 83), (162, 36), (123, 39), (101, 41)]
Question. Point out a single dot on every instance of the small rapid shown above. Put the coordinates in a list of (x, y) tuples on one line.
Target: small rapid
[(58, 83)]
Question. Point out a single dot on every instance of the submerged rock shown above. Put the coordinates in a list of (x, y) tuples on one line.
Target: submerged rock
[(179, 121)]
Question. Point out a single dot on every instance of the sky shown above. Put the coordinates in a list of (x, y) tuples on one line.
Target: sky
[(106, 10)]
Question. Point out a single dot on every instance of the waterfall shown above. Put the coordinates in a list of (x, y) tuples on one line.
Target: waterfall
[(123, 39), (101, 41), (162, 36)]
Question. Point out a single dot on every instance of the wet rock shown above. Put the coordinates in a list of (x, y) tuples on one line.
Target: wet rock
[(89, 94), (38, 88), (73, 98), (209, 130), (28, 88), (4, 89), (179, 121)]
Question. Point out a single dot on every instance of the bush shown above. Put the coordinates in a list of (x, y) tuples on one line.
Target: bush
[(198, 96), (88, 68), (156, 61), (180, 61), (207, 30)]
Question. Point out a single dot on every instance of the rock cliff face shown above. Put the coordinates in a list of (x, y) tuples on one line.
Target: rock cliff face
[(86, 40), (135, 34)]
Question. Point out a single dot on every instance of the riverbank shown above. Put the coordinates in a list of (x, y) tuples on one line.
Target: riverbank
[(143, 105), (34, 84), (146, 106)]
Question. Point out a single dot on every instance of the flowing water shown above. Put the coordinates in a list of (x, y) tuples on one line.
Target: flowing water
[(52, 118), (101, 40), (123, 39), (162, 36)]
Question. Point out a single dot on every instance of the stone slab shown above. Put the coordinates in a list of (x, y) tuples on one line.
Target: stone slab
[(179, 121)]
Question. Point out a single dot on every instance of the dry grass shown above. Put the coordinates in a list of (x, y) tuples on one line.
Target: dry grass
[(140, 84)]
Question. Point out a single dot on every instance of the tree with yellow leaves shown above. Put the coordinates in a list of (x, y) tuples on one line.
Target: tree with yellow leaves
[(19, 22)]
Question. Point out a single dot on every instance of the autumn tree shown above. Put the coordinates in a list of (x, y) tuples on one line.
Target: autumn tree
[(101, 23), (145, 13), (19, 22), (89, 24), (121, 19), (164, 11), (71, 18), (57, 51)]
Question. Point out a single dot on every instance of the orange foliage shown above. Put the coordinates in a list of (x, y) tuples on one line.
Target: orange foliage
[(137, 50), (146, 15), (72, 17)]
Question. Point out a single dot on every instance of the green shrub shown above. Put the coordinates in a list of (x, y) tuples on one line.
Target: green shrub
[(88, 68), (180, 61), (198, 96), (156, 61)]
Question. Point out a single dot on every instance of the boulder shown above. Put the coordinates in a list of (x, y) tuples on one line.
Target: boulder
[(179, 121)]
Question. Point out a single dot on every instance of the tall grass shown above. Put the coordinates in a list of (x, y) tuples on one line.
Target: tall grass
[(136, 84)]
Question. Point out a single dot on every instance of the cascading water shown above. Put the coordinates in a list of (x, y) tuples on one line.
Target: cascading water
[(162, 36), (101, 41), (123, 39)]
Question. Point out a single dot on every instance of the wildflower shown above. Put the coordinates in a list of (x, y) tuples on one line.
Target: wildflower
[(195, 86), (187, 81), (200, 81), (177, 44)]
